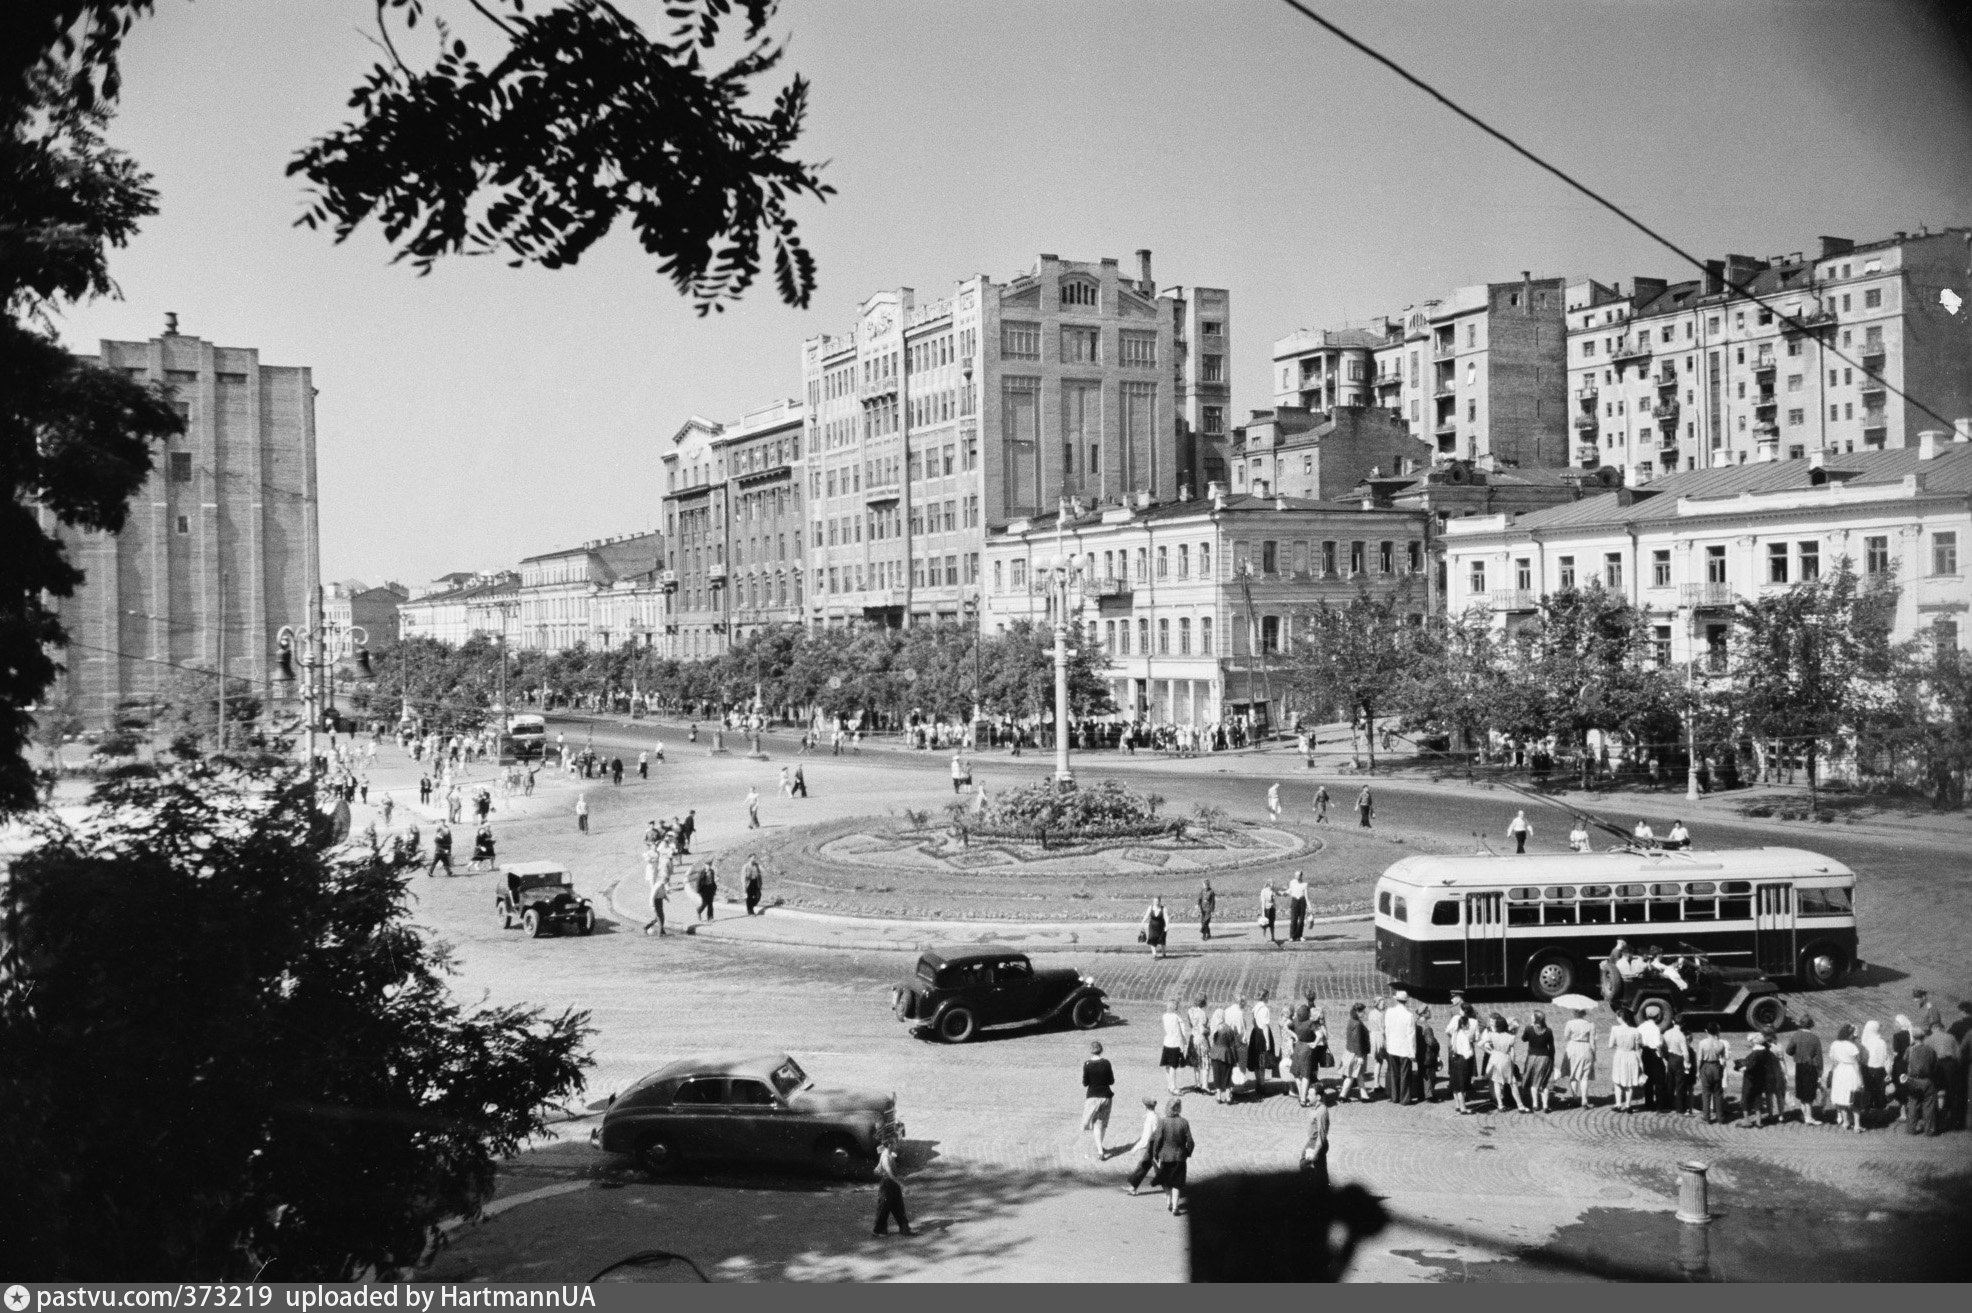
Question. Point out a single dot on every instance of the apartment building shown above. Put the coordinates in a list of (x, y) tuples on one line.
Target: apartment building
[(734, 524), (463, 607), (220, 548), (1821, 357), (1689, 545), (1321, 455), (352, 605), (1195, 603), (931, 421), (1326, 368), (603, 594)]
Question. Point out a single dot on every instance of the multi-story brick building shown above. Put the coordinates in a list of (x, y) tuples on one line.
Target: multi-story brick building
[(1698, 374), (1196, 603), (351, 605), (734, 521), (221, 539), (930, 422), (603, 594), (1689, 545), (1310, 454)]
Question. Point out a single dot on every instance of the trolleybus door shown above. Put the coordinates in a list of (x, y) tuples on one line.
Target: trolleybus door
[(1485, 940), (1773, 928)]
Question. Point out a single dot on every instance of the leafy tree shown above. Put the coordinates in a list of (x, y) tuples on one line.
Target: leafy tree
[(1019, 674), (1355, 658), (1931, 717), (272, 1081), (1810, 662), (1456, 683), (1585, 664)]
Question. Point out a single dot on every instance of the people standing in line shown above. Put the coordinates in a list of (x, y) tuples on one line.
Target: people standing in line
[(1355, 1049), (1365, 808), (1679, 837), (1496, 1059), (1424, 1080), (1537, 1067), (1273, 801), (1578, 1053), (1845, 1085), (1222, 1047), (1920, 1083), (1518, 830), (582, 812), (889, 1191), (1098, 1093), (1171, 1148), (1875, 1066), (1924, 1012), (1141, 1167), (706, 881), (1297, 906), (1268, 912), (1262, 1046), (1950, 1111), (1301, 1058), (1677, 1068), (441, 851), (1321, 804), (1650, 1052), (1314, 1151), (1373, 1019), (1803, 1050), (1156, 926), (752, 878), (1626, 1060), (1176, 1053), (1754, 1087), (1208, 902), (1399, 1047), (1578, 837), (1710, 1053), (752, 808)]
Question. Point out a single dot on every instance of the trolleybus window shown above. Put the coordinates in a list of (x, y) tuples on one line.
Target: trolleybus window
[(1560, 908), (1523, 906), (1383, 902), (1664, 902), (1445, 912), (1629, 904), (1701, 901), (1595, 904), (1737, 905), (1821, 902), (1398, 910)]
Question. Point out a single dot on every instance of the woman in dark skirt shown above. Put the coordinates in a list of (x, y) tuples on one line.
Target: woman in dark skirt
[(1155, 922), (1301, 1063)]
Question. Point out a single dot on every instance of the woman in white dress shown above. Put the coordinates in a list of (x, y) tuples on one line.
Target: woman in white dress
[(1626, 1059), (1875, 1066), (1199, 1023), (1177, 1045), (1845, 1078)]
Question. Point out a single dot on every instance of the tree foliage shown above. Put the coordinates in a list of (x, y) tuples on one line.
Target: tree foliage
[(1354, 659), (580, 120), (1583, 665), (1457, 683), (231, 1056)]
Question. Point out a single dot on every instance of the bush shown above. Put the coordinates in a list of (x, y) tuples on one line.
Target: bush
[(1044, 806), (1206, 816)]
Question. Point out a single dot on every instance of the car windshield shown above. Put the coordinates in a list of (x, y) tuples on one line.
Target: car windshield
[(927, 969), (789, 1077)]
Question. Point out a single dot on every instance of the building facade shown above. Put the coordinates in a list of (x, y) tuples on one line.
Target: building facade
[(482, 605), (735, 527), (1191, 601), (1697, 374), (1687, 547), (350, 606), (221, 545), (1320, 456), (930, 422), (603, 594)]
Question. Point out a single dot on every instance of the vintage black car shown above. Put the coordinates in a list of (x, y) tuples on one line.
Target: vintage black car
[(541, 897), (954, 994), (746, 1108), (1735, 998)]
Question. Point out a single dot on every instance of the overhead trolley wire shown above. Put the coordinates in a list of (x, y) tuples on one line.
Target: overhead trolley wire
[(1743, 289)]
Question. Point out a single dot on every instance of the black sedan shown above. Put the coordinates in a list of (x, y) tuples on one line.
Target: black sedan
[(952, 995)]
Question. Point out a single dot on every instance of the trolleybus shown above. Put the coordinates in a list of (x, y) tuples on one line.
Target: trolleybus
[(1545, 923)]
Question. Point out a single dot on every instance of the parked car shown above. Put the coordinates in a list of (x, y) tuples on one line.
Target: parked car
[(953, 995), (540, 897), (746, 1108), (1733, 998)]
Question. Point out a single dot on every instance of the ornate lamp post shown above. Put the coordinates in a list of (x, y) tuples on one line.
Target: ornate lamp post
[(1062, 574)]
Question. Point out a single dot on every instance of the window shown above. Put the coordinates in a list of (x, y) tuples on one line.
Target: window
[(1137, 350), (1143, 637), (1213, 419), (1660, 568), (184, 524), (1211, 327), (181, 467), (1871, 300), (1164, 638), (1810, 561), (1212, 369), (1269, 557), (1796, 417), (1205, 560), (1386, 558), (1478, 578), (1523, 575), (1416, 556), (1184, 561), (1660, 644), (1944, 553), (1715, 564), (1822, 902), (1566, 568), (1445, 912), (1081, 346), (1184, 637), (1612, 569), (1020, 341), (1776, 563), (1875, 555), (706, 1090), (1357, 565), (1205, 635), (1078, 292), (1164, 562)]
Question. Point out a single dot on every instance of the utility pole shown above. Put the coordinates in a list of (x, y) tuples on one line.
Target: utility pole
[(221, 627), (1691, 709)]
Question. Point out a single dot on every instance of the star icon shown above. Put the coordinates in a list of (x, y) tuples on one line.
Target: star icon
[(17, 1298)]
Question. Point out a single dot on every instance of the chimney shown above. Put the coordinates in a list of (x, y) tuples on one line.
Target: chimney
[(1836, 246), (1527, 291), (1714, 277), (1143, 271), (1817, 458), (1927, 444), (171, 323), (1645, 289), (1215, 490), (1280, 503), (1740, 268)]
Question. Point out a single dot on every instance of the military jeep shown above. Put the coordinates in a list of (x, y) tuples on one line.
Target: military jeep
[(540, 897)]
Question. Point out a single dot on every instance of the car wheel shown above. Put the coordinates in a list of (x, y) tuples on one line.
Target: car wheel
[(506, 917), (531, 922), (1766, 1013), (1821, 968), (1087, 1012), (1654, 1007), (956, 1026), (659, 1155), (1552, 977), (586, 923), (837, 1155)]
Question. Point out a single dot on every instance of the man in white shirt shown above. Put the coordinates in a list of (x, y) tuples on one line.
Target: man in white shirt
[(1578, 838), (1643, 834), (1651, 1037), (1399, 1047), (1518, 830), (1297, 906), (1142, 1147)]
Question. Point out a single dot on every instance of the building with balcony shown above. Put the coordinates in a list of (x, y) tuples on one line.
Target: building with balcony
[(1687, 547), (931, 421), (1820, 357), (1195, 604), (220, 546), (602, 594), (735, 527)]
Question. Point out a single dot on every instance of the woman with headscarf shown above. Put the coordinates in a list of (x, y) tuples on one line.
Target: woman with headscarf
[(1262, 1046), (1626, 1059), (1845, 1086), (1424, 1076), (1578, 1055), (1496, 1061), (1875, 1065)]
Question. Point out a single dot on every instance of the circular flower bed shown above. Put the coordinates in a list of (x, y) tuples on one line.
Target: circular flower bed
[(1045, 811)]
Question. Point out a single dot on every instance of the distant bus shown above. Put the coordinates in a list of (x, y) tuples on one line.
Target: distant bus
[(1545, 924), (527, 738)]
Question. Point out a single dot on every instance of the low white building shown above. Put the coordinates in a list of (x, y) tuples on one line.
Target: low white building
[(465, 606), (1688, 546)]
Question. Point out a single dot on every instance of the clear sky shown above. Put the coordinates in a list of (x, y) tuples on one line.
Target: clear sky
[(482, 414)]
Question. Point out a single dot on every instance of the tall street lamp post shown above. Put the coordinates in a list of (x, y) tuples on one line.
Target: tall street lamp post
[(1064, 572)]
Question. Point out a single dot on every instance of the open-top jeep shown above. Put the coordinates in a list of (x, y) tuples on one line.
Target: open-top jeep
[(541, 897), (1734, 998)]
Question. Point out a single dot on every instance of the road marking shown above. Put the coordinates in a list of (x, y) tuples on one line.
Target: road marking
[(512, 1201)]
